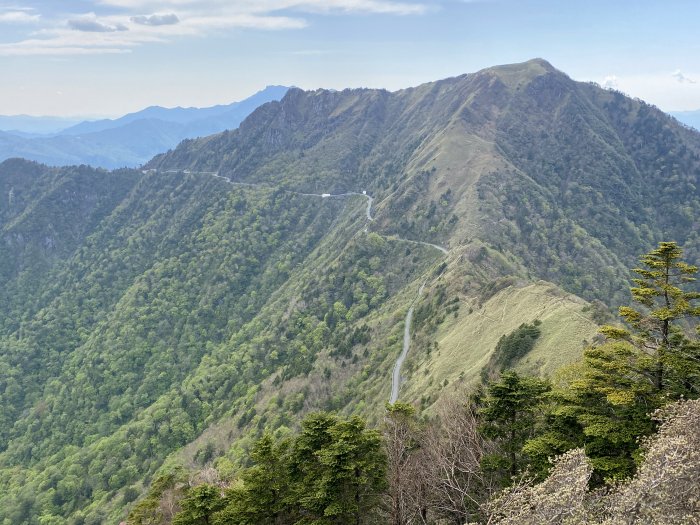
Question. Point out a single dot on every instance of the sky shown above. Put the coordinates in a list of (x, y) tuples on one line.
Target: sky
[(94, 58)]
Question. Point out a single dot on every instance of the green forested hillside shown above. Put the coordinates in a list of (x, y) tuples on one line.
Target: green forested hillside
[(162, 319), (570, 179)]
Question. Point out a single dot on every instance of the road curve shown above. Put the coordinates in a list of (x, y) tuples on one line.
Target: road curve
[(396, 375), (436, 246), (370, 199)]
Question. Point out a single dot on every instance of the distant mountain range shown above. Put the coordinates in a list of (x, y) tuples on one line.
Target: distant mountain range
[(159, 320), (689, 118), (26, 125), (128, 141)]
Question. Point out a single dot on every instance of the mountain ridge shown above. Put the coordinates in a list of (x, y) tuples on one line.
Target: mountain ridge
[(162, 318), (134, 138), (476, 114)]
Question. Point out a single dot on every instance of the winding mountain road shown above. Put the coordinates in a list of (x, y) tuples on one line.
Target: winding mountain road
[(437, 247), (322, 195), (396, 374)]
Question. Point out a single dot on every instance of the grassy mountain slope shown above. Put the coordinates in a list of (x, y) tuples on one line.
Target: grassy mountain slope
[(504, 155), (459, 348), (173, 316)]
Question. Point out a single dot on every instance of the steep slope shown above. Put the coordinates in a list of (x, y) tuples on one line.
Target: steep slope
[(505, 155), (165, 317), (455, 351), (240, 281)]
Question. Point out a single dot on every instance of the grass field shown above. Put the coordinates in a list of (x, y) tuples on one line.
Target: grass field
[(465, 342)]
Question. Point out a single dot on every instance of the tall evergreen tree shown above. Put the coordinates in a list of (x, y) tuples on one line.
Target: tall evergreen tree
[(607, 402), (510, 413), (604, 408), (199, 506), (665, 301), (354, 473), (263, 497)]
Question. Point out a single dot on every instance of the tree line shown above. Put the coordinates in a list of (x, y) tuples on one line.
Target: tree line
[(612, 439)]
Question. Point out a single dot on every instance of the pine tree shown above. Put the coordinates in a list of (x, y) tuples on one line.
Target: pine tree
[(510, 414), (263, 497), (607, 402), (338, 470), (656, 325), (354, 473), (199, 506)]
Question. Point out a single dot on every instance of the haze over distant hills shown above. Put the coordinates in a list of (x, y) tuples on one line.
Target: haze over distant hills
[(689, 118), (128, 141), (27, 125), (162, 318)]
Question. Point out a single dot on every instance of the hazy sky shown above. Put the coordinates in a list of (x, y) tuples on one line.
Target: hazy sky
[(109, 57)]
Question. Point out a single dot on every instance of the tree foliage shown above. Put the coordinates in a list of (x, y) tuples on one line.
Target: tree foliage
[(331, 473), (665, 489), (510, 412), (665, 301)]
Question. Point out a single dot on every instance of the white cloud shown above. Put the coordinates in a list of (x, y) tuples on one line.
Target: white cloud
[(137, 22), (250, 21), (269, 6), (19, 16), (611, 82), (156, 20), (27, 49), (659, 88), (90, 24), (681, 78), (362, 6)]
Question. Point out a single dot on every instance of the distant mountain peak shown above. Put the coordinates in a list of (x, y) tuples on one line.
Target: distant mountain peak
[(521, 73), (134, 138)]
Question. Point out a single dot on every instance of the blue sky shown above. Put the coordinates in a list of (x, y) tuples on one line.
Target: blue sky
[(109, 57)]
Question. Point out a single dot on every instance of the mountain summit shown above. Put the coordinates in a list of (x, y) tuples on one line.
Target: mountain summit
[(501, 154), (335, 251)]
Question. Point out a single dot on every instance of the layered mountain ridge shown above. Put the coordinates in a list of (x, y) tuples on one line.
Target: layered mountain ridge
[(133, 139), (475, 144), (161, 318)]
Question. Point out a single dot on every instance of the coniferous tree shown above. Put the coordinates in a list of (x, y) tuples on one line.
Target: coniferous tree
[(332, 473), (606, 405), (199, 505), (661, 291), (604, 409), (263, 498), (354, 473), (510, 413)]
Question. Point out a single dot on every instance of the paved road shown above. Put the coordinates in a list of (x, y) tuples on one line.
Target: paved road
[(370, 199), (396, 376), (437, 247)]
